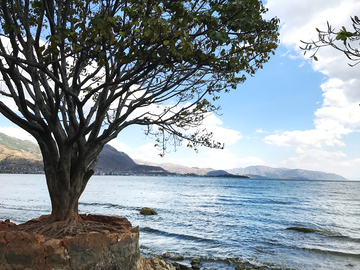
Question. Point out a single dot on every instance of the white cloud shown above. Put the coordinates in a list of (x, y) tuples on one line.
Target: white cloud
[(224, 135), (339, 114), (300, 18), (217, 159), (119, 146), (211, 123), (17, 133), (260, 130), (316, 138), (9, 103)]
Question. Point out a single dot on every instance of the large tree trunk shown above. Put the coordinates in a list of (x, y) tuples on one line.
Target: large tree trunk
[(66, 175), (65, 191)]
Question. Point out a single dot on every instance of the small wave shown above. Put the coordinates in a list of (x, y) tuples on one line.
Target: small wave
[(273, 201), (347, 238), (19, 208), (175, 235), (105, 205)]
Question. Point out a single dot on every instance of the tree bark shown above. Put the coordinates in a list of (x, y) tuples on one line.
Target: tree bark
[(66, 179)]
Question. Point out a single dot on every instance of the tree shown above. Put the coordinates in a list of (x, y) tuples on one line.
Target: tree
[(80, 71), (342, 40)]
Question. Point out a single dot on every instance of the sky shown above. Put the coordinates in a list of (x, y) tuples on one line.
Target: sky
[(295, 113)]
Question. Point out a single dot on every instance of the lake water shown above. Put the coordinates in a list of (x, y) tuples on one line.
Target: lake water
[(217, 218)]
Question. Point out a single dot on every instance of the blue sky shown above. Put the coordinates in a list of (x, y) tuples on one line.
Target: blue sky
[(294, 113)]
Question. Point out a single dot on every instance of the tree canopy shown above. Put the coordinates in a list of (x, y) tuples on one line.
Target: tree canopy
[(343, 40), (81, 71)]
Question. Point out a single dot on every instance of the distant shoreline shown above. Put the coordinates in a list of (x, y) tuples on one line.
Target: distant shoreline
[(252, 177)]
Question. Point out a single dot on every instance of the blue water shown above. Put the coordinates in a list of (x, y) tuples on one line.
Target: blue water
[(217, 218)]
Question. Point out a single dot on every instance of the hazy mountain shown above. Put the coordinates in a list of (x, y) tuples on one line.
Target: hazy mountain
[(218, 173), (284, 173), (176, 168), (260, 172)]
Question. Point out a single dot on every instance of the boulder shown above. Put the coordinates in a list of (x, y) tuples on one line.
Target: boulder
[(148, 211), (153, 263)]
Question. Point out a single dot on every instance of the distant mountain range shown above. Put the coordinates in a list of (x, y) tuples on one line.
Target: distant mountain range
[(18, 156), (258, 172), (264, 172), (176, 168)]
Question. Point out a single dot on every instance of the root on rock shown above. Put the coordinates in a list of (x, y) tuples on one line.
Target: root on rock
[(72, 226)]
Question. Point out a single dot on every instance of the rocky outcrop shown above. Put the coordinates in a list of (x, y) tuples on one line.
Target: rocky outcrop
[(20, 250)]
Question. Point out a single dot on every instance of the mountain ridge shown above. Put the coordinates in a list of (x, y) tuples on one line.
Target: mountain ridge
[(255, 171), (285, 173)]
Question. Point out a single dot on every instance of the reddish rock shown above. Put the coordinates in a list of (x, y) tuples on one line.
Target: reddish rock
[(6, 224), (20, 250)]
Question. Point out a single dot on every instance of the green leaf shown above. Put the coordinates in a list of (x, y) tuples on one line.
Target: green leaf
[(166, 42), (111, 20)]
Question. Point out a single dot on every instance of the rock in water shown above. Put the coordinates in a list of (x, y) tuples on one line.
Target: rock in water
[(195, 264), (166, 255), (148, 211)]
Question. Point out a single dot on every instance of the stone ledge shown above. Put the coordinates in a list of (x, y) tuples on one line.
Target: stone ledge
[(20, 250)]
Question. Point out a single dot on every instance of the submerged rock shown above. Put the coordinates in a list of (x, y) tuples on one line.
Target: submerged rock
[(311, 230), (195, 264), (302, 229), (248, 266), (178, 258), (240, 266), (229, 261), (148, 211), (181, 266), (166, 255)]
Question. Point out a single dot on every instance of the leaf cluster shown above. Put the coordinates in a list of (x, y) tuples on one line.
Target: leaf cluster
[(330, 37)]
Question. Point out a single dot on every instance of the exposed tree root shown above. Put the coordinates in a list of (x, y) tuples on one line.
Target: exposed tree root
[(72, 226)]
